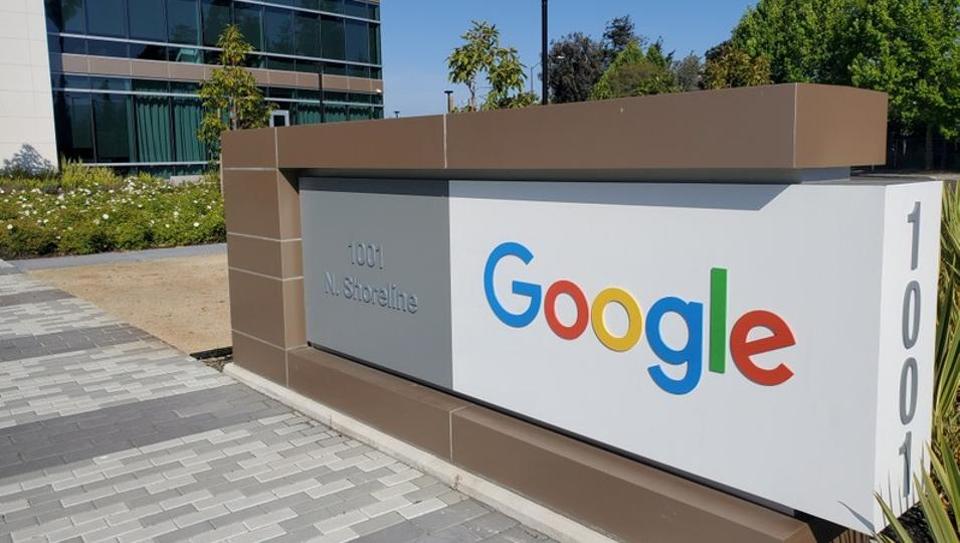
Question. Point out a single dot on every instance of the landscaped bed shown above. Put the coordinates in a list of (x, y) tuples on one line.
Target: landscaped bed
[(90, 210)]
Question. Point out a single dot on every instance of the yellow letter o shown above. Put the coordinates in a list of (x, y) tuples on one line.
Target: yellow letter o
[(634, 319)]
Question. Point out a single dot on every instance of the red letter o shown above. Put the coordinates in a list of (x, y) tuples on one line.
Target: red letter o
[(550, 309)]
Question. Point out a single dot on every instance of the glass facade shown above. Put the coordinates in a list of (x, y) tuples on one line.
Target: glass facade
[(153, 123)]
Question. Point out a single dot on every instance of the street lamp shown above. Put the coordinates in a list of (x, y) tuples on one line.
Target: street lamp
[(532, 68), (449, 94), (545, 99), (396, 113)]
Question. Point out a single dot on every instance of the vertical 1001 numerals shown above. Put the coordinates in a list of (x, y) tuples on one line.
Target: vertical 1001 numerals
[(910, 331)]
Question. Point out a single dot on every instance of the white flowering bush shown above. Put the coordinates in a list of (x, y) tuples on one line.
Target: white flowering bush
[(102, 212)]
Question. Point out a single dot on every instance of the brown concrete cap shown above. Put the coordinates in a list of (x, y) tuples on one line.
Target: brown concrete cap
[(778, 127)]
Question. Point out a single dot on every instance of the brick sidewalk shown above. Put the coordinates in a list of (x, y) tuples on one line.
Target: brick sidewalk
[(106, 433)]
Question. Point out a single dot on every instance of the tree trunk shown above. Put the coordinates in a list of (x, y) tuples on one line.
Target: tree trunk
[(928, 149)]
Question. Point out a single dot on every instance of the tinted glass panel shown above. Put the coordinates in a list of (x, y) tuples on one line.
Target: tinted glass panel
[(247, 17), (358, 113), (182, 24), (109, 83), (148, 52), (71, 16), (216, 17), (357, 9), (147, 20), (107, 48), (357, 41), (154, 128), (187, 113), (148, 85), (74, 126), (278, 30), (112, 118), (332, 34), (278, 63), (307, 114), (375, 14), (335, 96), (54, 17), (74, 45), (188, 55), (378, 113), (308, 66), (358, 71), (375, 44), (107, 17), (334, 114), (308, 34), (335, 69), (334, 6)]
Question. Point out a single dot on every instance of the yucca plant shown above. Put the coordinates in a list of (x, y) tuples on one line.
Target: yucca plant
[(940, 490)]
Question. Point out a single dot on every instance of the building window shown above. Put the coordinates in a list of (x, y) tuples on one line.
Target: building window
[(67, 15), (182, 23), (107, 18), (357, 9), (332, 35), (278, 30), (247, 17), (334, 113), (216, 17), (187, 113), (154, 125), (74, 126), (147, 20), (357, 41), (308, 34), (333, 6), (375, 44), (111, 121)]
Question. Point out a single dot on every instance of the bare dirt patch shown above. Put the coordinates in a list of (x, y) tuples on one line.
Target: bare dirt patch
[(183, 301)]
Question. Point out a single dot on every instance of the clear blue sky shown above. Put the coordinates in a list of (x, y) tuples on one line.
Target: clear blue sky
[(418, 35)]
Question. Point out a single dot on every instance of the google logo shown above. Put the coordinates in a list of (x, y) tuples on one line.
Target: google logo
[(742, 348)]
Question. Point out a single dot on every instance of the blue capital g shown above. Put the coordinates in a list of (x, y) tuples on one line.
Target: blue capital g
[(521, 288)]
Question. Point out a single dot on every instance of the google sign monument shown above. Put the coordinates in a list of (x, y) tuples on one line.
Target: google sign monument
[(772, 340)]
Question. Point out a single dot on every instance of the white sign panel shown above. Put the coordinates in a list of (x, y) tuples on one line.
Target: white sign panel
[(776, 339)]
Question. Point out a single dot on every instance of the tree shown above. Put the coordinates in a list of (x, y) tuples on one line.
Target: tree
[(636, 73), (911, 50), (730, 66), (620, 33), (688, 72), (482, 54), (805, 40), (231, 99), (576, 64)]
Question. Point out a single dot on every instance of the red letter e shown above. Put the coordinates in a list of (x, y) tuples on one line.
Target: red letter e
[(743, 349)]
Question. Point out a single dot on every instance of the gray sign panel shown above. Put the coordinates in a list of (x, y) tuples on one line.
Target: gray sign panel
[(377, 272)]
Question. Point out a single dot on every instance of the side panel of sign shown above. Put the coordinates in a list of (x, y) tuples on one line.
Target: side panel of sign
[(909, 300)]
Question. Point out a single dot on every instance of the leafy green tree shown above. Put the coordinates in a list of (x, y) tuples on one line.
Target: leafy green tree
[(730, 66), (231, 99), (619, 34), (911, 50), (805, 40), (636, 72), (576, 64), (482, 54), (688, 72)]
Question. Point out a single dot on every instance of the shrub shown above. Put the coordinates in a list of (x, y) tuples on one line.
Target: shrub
[(90, 210)]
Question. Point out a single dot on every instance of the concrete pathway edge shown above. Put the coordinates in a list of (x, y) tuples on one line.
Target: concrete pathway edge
[(117, 257), (532, 514)]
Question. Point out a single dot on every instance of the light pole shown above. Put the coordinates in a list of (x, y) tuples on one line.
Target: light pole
[(532, 68), (449, 94), (544, 62), (396, 113)]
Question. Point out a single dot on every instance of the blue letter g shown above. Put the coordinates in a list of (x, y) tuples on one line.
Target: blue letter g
[(529, 290)]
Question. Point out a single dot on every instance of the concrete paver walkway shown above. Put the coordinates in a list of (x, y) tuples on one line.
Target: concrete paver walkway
[(109, 434)]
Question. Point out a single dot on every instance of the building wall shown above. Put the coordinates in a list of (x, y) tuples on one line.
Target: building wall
[(27, 134)]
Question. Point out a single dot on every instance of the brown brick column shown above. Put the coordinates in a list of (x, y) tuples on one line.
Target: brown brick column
[(263, 254)]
